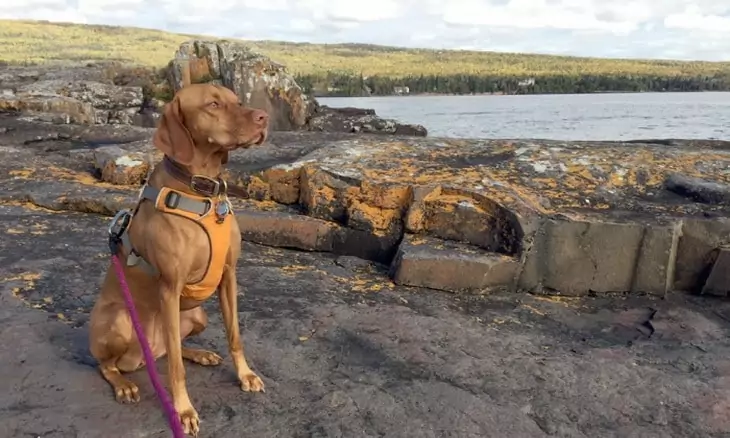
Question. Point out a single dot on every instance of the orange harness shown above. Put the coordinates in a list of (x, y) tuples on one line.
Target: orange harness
[(214, 216)]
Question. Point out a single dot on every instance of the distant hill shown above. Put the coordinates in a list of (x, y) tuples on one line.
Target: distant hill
[(34, 41), (346, 67)]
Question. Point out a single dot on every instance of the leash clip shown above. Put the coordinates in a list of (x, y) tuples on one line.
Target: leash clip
[(119, 223), (117, 227)]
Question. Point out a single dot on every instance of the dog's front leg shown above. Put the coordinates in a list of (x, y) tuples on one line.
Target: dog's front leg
[(228, 292), (170, 309)]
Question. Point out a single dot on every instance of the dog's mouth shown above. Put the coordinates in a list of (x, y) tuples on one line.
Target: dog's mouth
[(256, 140)]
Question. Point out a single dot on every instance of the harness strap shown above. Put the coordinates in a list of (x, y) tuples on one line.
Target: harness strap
[(173, 200), (176, 201)]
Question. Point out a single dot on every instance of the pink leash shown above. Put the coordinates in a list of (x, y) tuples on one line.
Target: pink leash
[(172, 416)]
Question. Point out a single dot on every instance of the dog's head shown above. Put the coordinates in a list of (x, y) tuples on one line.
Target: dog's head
[(203, 119)]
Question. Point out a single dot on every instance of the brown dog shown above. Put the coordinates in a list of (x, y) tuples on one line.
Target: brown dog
[(181, 244)]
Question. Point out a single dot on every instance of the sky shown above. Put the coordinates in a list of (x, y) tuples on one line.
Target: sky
[(673, 29)]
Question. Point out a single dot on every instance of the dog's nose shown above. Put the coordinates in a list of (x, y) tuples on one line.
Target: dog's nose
[(260, 117)]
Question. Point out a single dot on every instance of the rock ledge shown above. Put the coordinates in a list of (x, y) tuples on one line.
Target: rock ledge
[(459, 215)]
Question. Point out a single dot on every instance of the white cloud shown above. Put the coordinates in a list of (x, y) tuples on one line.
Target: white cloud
[(535, 14), (302, 25), (698, 29), (693, 18)]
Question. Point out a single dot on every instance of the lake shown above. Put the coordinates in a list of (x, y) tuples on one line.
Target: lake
[(619, 116)]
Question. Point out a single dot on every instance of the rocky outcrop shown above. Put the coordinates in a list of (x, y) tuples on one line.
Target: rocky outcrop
[(358, 120), (73, 96), (263, 83), (110, 93), (83, 102), (257, 80), (570, 218), (546, 217)]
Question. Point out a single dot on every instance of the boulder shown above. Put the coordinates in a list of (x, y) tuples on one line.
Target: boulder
[(698, 189), (265, 84), (423, 261), (257, 80), (122, 167)]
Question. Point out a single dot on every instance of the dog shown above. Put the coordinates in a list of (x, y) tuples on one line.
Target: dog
[(180, 245)]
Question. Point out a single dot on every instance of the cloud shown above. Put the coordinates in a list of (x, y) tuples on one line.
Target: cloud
[(683, 29), (693, 18)]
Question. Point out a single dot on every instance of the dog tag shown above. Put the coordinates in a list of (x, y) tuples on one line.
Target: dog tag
[(222, 210)]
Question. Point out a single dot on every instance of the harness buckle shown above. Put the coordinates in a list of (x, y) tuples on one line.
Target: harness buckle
[(205, 185), (172, 200)]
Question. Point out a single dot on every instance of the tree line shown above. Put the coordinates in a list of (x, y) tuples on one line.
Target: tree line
[(343, 84)]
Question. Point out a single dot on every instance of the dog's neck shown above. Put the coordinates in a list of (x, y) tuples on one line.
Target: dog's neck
[(192, 179)]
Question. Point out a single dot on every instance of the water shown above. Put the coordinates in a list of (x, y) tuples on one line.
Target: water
[(620, 116)]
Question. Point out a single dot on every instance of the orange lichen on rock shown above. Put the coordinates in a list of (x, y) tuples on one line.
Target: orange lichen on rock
[(82, 178), (389, 196), (22, 173), (364, 216), (258, 189), (26, 279), (283, 184)]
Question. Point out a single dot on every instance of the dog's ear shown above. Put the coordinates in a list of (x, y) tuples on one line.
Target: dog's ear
[(172, 137)]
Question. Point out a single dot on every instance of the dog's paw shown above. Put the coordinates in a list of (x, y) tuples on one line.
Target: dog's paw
[(190, 421), (252, 383), (201, 357), (126, 392)]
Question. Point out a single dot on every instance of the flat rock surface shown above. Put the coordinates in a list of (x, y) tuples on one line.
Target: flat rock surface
[(345, 353)]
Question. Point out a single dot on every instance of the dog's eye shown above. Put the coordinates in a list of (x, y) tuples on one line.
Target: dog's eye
[(214, 104)]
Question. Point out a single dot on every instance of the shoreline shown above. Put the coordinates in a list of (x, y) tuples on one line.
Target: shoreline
[(318, 96)]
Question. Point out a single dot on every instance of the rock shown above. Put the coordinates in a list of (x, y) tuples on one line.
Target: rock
[(580, 219), (348, 351), (57, 109), (449, 266), (570, 217), (356, 120), (286, 230), (575, 257), (463, 215), (718, 282), (257, 80), (291, 230), (263, 83), (700, 239), (355, 264), (657, 259), (83, 102), (698, 189), (120, 167)]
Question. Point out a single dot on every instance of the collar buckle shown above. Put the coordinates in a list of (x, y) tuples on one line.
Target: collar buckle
[(205, 185)]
